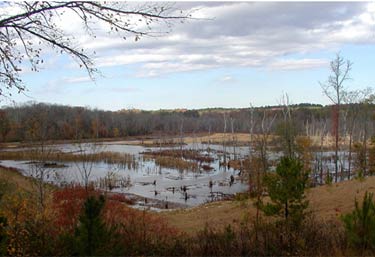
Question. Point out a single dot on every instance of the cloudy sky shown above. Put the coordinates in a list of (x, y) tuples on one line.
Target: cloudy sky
[(231, 54)]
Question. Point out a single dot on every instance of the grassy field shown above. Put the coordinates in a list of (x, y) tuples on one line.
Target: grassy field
[(327, 202), (14, 176), (241, 139)]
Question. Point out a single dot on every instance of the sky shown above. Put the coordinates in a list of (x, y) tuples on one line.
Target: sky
[(230, 54)]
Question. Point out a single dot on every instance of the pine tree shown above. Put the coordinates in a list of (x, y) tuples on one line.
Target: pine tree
[(286, 188), (91, 233), (360, 224)]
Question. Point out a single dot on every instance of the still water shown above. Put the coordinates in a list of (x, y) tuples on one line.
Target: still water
[(148, 179)]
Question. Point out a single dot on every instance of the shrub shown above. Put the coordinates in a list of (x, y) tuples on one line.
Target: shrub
[(212, 242), (286, 188), (360, 224), (3, 236), (128, 231)]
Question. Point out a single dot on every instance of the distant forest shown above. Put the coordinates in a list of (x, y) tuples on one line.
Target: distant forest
[(39, 121)]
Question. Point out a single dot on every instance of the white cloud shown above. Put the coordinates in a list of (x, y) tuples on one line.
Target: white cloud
[(72, 80), (297, 64), (234, 34), (161, 68), (243, 34), (227, 80)]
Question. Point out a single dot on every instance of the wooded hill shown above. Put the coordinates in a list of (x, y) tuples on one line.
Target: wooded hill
[(40, 121)]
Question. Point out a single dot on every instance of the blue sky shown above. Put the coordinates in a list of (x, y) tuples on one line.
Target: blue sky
[(245, 52)]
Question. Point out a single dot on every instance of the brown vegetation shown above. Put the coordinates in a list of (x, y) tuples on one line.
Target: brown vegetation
[(14, 176), (185, 154), (127, 160), (176, 163), (220, 228), (326, 202)]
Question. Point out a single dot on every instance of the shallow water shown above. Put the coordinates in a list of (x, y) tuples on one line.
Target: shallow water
[(148, 179)]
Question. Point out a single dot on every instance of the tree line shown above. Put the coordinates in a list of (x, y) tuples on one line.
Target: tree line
[(37, 121)]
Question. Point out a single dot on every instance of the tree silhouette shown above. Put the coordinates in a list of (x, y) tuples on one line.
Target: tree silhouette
[(25, 28), (334, 89)]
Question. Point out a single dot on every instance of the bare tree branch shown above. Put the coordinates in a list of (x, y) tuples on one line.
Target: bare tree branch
[(23, 34)]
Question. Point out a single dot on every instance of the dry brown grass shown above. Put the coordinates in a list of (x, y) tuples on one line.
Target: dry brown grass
[(242, 139), (218, 138), (13, 176), (330, 201), (327, 202), (217, 214), (181, 154), (107, 157), (215, 138), (175, 163)]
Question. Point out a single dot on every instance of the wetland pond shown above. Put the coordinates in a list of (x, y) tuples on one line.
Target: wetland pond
[(144, 177), (154, 177)]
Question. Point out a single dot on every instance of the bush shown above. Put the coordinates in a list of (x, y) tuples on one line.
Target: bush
[(3, 236), (286, 188), (126, 231), (211, 242), (360, 224)]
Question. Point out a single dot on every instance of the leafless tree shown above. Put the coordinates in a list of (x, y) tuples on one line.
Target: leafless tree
[(40, 153), (288, 133), (334, 89), (251, 143), (224, 140), (364, 113), (87, 152), (322, 131), (26, 27), (181, 134), (259, 162), (234, 140), (42, 173), (354, 100)]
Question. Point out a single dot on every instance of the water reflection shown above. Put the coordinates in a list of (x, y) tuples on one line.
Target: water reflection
[(148, 179)]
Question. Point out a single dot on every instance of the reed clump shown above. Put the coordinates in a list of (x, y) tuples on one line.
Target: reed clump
[(185, 154), (176, 163), (126, 160), (239, 164), (170, 142)]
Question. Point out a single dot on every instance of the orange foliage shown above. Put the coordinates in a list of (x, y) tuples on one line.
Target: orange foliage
[(134, 221), (68, 204), (17, 210), (304, 150)]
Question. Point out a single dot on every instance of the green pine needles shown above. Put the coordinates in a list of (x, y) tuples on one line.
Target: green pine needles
[(286, 189), (360, 224)]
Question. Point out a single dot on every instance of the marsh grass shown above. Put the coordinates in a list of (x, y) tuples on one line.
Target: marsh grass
[(165, 142), (176, 163), (192, 155), (113, 180), (125, 160)]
